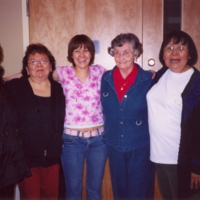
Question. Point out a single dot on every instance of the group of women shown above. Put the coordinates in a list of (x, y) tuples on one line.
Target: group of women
[(92, 114)]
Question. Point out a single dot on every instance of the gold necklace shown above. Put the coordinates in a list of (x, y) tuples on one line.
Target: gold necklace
[(122, 87)]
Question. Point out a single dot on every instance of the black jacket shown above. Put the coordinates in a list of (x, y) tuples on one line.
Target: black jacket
[(13, 167), (30, 125)]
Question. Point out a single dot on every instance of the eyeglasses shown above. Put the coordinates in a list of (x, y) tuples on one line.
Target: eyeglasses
[(179, 49), (124, 54), (35, 62)]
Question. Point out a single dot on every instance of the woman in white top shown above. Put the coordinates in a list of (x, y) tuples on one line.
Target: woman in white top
[(83, 126), (173, 109)]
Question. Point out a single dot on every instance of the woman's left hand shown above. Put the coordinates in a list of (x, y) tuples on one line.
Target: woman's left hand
[(195, 181)]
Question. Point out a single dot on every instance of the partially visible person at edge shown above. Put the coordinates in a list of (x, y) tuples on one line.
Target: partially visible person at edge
[(123, 96), (174, 111), (83, 135), (40, 107), (13, 166)]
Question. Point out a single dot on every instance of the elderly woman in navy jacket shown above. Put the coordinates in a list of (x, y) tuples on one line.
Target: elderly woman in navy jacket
[(123, 94)]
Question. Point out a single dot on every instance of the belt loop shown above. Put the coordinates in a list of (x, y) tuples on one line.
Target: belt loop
[(98, 131), (78, 133)]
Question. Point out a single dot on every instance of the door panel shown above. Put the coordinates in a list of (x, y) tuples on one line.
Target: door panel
[(106, 19), (152, 32), (190, 22), (54, 22)]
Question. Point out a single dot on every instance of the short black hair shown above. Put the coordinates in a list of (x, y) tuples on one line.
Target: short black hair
[(185, 39), (41, 49)]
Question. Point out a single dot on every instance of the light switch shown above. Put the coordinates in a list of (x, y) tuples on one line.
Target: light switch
[(96, 45)]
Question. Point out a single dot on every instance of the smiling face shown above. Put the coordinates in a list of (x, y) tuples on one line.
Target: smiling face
[(81, 57), (176, 57), (124, 57), (39, 66)]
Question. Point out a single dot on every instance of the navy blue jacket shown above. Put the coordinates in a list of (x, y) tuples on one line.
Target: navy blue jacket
[(126, 125), (189, 149)]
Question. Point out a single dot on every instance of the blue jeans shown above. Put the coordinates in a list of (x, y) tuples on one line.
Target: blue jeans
[(132, 174), (75, 149)]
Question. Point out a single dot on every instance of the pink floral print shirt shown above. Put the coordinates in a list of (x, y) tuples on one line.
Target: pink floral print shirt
[(83, 106)]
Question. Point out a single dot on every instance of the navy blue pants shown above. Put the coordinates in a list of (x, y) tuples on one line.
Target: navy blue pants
[(132, 174)]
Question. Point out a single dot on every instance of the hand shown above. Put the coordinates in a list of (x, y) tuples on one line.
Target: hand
[(153, 72), (195, 181)]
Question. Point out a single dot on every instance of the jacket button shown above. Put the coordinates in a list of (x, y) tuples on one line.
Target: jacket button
[(125, 96), (121, 122), (122, 135)]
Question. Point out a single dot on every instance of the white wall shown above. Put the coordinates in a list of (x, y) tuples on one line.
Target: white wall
[(14, 35)]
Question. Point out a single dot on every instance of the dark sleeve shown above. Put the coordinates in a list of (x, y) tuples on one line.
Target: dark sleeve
[(159, 73), (60, 106), (196, 142), (62, 102), (7, 112), (103, 84), (13, 87)]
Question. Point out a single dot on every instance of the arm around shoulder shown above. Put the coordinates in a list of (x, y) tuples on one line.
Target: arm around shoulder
[(8, 78)]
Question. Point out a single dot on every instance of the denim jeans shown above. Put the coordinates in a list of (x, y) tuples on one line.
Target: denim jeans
[(132, 174), (75, 149)]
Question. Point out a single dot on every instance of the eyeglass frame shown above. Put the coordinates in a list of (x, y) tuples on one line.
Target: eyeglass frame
[(124, 54), (42, 62), (179, 49)]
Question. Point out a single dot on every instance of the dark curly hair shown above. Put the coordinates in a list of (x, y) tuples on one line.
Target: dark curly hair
[(185, 39), (41, 49), (79, 41)]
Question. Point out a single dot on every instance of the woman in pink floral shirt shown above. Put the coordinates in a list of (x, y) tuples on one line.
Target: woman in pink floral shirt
[(83, 127)]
